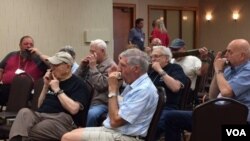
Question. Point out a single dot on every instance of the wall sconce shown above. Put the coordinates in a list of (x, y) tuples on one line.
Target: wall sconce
[(208, 17), (235, 15), (184, 18)]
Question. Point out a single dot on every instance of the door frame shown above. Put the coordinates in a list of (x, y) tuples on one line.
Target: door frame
[(124, 5), (127, 5)]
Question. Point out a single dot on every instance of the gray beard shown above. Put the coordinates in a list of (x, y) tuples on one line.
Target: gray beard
[(25, 54)]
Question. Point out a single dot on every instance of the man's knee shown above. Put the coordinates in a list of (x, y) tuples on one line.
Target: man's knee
[(92, 114), (171, 117), (41, 133), (25, 112), (66, 137), (48, 129)]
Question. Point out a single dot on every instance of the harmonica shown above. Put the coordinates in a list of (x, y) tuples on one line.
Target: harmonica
[(227, 62), (223, 56), (119, 76)]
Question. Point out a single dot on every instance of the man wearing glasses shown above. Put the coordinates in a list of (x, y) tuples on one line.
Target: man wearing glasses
[(170, 76)]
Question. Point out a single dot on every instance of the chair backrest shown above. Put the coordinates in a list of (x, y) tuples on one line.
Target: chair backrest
[(38, 86), (86, 108), (210, 116), (186, 97), (203, 82), (20, 90), (153, 124)]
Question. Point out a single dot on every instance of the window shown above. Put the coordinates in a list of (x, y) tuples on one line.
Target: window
[(180, 22)]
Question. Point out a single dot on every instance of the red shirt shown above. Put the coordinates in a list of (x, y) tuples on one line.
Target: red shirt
[(156, 33), (34, 67)]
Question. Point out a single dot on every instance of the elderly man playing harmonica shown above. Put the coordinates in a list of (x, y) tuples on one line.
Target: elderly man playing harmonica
[(229, 81), (61, 103), (131, 112)]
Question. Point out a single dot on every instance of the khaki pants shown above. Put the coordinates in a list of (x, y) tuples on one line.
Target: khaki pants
[(41, 126), (105, 134)]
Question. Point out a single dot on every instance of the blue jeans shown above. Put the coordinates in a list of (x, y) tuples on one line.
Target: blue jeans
[(94, 114), (172, 123)]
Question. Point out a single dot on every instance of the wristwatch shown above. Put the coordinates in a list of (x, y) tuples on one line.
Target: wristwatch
[(219, 71), (162, 73), (59, 92), (112, 95)]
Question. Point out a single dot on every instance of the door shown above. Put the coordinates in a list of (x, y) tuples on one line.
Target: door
[(123, 17)]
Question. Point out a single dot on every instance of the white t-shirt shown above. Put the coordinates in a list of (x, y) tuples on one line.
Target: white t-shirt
[(191, 66)]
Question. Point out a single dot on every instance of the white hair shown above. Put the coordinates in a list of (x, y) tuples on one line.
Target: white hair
[(165, 51), (136, 57), (99, 43)]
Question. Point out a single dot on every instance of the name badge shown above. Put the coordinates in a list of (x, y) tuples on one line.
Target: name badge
[(19, 71)]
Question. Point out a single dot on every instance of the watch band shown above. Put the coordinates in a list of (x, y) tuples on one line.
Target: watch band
[(162, 73), (59, 92), (110, 95), (219, 71)]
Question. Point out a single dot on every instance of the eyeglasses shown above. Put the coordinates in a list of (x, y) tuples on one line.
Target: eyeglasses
[(56, 65), (156, 56)]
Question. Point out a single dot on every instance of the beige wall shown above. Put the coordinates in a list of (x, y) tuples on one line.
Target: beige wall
[(55, 23), (217, 33)]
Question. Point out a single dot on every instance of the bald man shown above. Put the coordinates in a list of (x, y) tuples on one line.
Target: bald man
[(231, 79), (154, 42)]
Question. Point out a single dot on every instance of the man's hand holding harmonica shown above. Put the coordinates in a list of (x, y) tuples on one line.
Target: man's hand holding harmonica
[(219, 63)]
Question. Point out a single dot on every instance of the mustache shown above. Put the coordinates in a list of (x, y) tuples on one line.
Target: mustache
[(26, 53)]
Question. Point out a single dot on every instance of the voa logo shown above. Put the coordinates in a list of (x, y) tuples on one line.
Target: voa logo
[(236, 132)]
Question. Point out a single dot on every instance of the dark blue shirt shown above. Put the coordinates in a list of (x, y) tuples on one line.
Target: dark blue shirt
[(175, 71), (74, 88), (137, 37)]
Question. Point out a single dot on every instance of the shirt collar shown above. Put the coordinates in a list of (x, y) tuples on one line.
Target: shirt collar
[(137, 28), (237, 68), (138, 81)]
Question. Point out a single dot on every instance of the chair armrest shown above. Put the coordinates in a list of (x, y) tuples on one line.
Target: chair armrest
[(5, 115)]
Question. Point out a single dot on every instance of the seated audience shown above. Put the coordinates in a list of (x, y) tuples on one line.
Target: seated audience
[(129, 113), (25, 60), (191, 65), (71, 51), (94, 68), (61, 103), (229, 81)]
